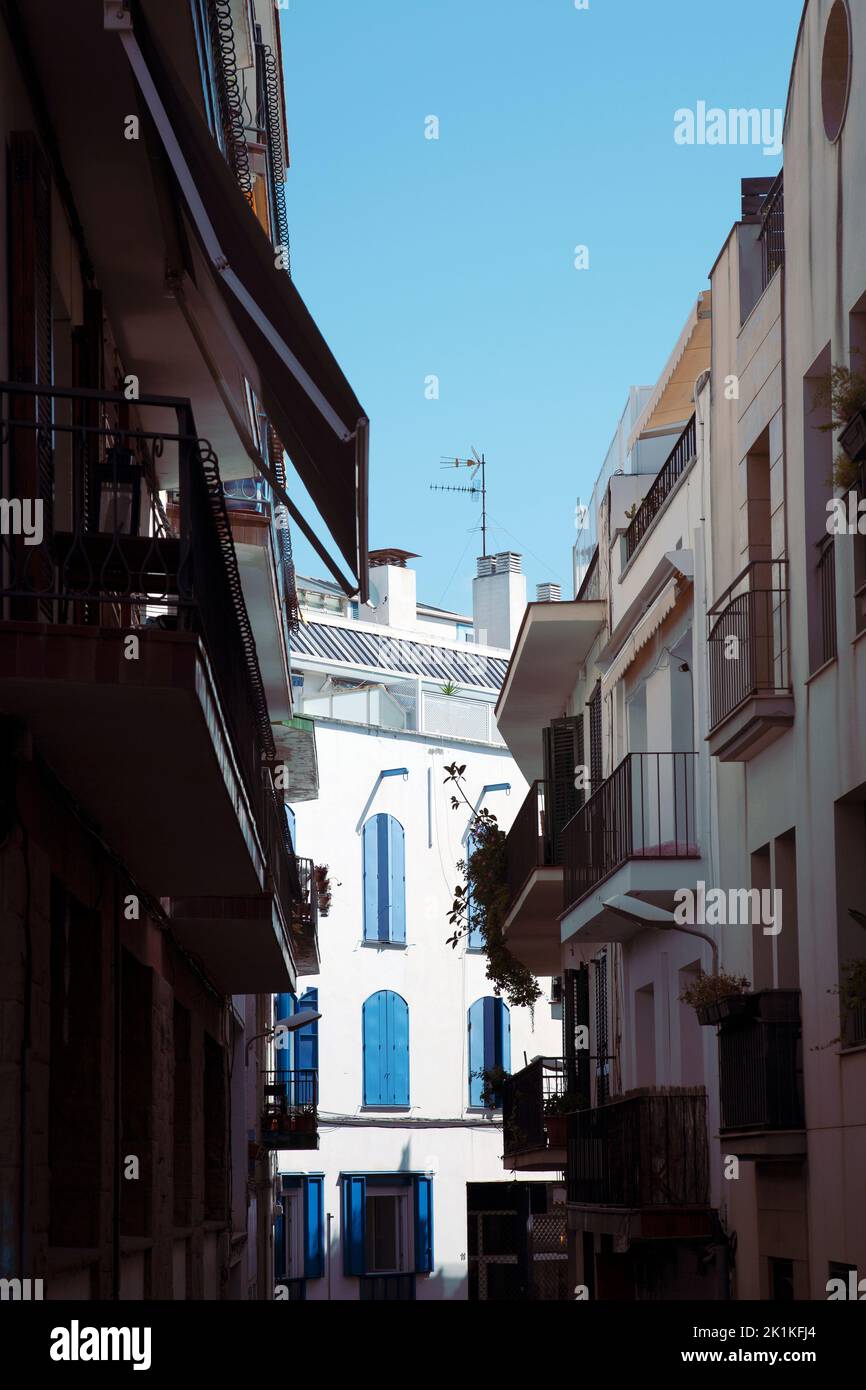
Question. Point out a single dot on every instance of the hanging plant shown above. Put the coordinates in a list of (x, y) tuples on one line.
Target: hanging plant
[(486, 889), (322, 884)]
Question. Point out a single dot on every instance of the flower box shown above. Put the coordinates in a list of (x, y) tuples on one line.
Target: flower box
[(732, 1006)]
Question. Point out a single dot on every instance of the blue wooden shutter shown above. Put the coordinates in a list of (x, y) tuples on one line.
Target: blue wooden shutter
[(374, 1030), (285, 1005), (280, 1271), (371, 879), (476, 1052), (423, 1225), (292, 824), (354, 1219), (398, 1048), (314, 1228), (386, 1049), (503, 1035), (475, 939), (307, 1038), (384, 848), (396, 881)]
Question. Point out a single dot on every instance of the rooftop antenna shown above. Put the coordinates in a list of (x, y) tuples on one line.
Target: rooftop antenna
[(476, 464)]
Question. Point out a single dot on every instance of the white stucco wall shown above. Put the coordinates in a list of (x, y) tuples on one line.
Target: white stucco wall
[(438, 983)]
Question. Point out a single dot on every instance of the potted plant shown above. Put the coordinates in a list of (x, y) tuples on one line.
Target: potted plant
[(843, 393), (322, 884), (717, 997), (556, 1112)]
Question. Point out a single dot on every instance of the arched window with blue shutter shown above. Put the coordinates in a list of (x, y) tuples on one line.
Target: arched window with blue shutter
[(489, 1044), (474, 935), (385, 1027), (384, 852)]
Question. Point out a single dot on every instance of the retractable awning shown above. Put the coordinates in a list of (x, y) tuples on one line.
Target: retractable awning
[(307, 398)]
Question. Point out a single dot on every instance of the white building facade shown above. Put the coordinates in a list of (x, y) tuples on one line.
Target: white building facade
[(385, 1209)]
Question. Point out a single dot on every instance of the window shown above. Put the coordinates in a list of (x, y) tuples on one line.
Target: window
[(387, 1227), (489, 1045), (385, 1025), (299, 1232), (475, 936), (384, 880)]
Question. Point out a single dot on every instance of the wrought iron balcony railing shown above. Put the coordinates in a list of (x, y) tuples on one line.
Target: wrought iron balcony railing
[(748, 638), (109, 554), (532, 842), (644, 1150), (668, 476), (772, 235), (526, 1098), (645, 810), (761, 1064), (289, 1110), (828, 643)]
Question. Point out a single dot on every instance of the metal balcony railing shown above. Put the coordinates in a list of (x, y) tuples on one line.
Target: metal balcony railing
[(672, 470), (644, 1150), (826, 567), (110, 555), (772, 234), (645, 810), (531, 842), (748, 638), (289, 1109), (525, 1097), (761, 1064)]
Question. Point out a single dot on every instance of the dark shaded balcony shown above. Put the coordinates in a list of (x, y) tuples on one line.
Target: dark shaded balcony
[(761, 1077), (305, 920), (643, 1155), (533, 1123), (289, 1110), (126, 649), (751, 703), (533, 850)]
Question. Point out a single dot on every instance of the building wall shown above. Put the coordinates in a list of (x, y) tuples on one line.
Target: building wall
[(440, 1134)]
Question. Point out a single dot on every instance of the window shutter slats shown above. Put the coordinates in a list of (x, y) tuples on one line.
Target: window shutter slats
[(371, 880), (384, 849), (386, 1049), (476, 1053), (314, 1228), (307, 1039), (397, 880), (423, 1225), (354, 1217)]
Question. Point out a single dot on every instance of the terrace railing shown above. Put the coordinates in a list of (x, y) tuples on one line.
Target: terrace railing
[(645, 810), (668, 476), (641, 1151), (748, 638), (772, 234)]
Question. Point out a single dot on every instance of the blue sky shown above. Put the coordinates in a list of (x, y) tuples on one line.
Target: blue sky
[(455, 257)]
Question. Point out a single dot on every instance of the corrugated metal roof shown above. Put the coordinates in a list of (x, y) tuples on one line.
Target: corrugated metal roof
[(329, 642)]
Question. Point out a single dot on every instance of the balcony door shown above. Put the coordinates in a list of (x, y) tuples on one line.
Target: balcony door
[(563, 756)]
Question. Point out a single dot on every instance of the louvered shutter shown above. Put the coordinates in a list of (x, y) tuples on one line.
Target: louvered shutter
[(371, 879), (31, 473), (476, 1053), (374, 1049), (398, 1050), (396, 881), (596, 755), (354, 1219), (602, 1079), (423, 1200), (307, 1038), (314, 1228), (563, 755), (575, 1014)]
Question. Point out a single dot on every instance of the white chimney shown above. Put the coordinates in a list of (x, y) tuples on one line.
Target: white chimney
[(392, 589), (498, 600)]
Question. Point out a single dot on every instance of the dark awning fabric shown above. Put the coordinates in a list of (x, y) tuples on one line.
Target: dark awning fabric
[(326, 441)]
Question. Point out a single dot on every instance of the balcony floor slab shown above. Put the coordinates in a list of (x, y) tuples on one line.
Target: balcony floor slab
[(653, 881)]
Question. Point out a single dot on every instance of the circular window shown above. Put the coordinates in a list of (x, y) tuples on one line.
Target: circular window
[(836, 69)]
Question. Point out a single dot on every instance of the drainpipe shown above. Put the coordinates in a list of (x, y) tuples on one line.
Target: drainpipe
[(116, 1179)]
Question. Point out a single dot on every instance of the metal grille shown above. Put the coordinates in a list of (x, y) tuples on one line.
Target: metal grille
[(827, 599), (575, 1014), (564, 755), (596, 760), (548, 1256), (602, 1078)]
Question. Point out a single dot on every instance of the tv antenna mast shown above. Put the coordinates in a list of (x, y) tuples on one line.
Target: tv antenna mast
[(477, 464)]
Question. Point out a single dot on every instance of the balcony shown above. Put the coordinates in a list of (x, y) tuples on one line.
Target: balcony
[(534, 1139), (126, 649), (626, 837), (761, 1078), (638, 1167), (305, 920), (534, 858), (772, 234), (682, 454), (289, 1110), (751, 702)]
